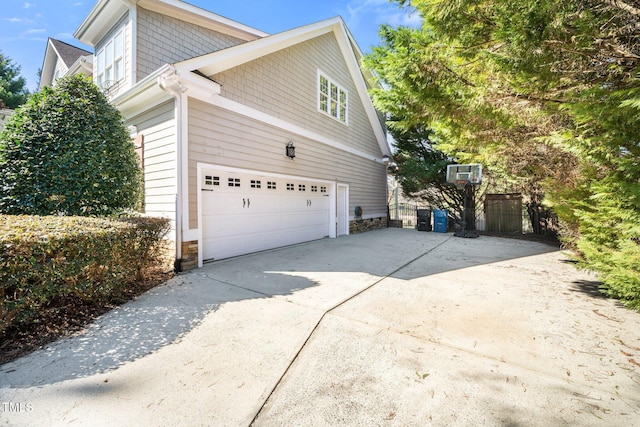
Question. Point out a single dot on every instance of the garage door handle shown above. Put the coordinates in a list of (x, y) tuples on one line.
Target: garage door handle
[(246, 203), (206, 189)]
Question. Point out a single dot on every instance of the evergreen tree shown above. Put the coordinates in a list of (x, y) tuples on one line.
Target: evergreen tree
[(13, 91), (421, 171), (66, 151), (545, 94)]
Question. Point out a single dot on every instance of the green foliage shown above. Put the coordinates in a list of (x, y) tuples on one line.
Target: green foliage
[(13, 90), (46, 260), (421, 171), (546, 95), (66, 151)]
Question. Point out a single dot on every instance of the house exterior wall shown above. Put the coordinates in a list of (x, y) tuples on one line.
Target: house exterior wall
[(221, 137), (60, 69), (158, 126), (5, 115), (163, 40), (285, 85)]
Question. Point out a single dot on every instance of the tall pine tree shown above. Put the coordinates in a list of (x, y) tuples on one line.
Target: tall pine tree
[(13, 87), (544, 93)]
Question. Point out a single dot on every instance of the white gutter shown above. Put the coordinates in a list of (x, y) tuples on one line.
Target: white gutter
[(182, 86), (169, 82)]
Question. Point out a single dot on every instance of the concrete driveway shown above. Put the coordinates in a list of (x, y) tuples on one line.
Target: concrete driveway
[(387, 328)]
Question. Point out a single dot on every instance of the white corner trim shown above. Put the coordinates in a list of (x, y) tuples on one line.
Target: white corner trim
[(133, 19), (198, 231)]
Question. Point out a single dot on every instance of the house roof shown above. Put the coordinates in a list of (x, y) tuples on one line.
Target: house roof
[(67, 53), (74, 58), (105, 14)]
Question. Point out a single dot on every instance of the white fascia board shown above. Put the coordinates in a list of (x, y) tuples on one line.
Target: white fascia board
[(195, 15), (198, 87), (144, 95), (84, 62), (48, 65), (351, 57), (225, 59), (152, 90), (101, 18)]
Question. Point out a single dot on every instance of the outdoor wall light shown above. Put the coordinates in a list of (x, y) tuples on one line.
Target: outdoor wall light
[(290, 150), (383, 161)]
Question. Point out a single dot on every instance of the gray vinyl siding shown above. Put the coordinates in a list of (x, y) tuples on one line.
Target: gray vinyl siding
[(165, 40), (60, 69), (159, 129), (220, 137), (284, 84)]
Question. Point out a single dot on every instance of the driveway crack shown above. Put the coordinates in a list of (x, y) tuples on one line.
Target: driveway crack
[(329, 311)]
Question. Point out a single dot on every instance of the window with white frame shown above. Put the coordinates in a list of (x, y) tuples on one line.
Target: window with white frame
[(110, 61), (332, 98)]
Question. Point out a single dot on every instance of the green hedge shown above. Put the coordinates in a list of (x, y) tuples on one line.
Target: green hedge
[(44, 260)]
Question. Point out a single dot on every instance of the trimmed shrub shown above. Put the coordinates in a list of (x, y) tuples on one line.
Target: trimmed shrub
[(44, 260), (66, 151)]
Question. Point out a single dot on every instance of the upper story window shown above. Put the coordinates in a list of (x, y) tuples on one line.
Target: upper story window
[(332, 98), (110, 59)]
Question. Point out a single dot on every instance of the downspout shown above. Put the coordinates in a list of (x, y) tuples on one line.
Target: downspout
[(170, 82)]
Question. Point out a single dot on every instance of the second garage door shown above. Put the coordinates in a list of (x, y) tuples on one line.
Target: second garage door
[(244, 212)]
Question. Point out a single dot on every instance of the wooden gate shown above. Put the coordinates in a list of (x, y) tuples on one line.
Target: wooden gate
[(503, 213)]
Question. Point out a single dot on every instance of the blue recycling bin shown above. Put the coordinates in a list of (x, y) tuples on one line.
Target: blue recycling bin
[(440, 221)]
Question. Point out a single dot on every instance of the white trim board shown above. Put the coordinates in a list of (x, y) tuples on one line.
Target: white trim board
[(233, 106)]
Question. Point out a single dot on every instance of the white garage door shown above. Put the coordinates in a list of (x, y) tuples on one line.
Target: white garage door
[(244, 213)]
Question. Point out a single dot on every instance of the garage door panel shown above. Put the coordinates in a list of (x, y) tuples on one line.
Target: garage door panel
[(244, 213)]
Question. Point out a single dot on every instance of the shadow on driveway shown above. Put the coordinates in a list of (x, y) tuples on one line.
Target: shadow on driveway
[(164, 314)]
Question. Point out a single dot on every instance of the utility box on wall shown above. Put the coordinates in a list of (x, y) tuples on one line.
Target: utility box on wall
[(440, 221)]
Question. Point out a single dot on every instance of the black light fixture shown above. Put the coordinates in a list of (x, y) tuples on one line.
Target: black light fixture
[(291, 150), (385, 159)]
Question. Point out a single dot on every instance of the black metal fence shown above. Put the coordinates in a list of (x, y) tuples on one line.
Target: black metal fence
[(403, 215), (502, 213)]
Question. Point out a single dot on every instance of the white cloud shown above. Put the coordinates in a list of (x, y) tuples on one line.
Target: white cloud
[(34, 31), (364, 18), (14, 20), (380, 12), (78, 4), (29, 5), (62, 36), (406, 19)]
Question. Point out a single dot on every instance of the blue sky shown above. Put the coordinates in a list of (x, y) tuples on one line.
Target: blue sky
[(26, 25)]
